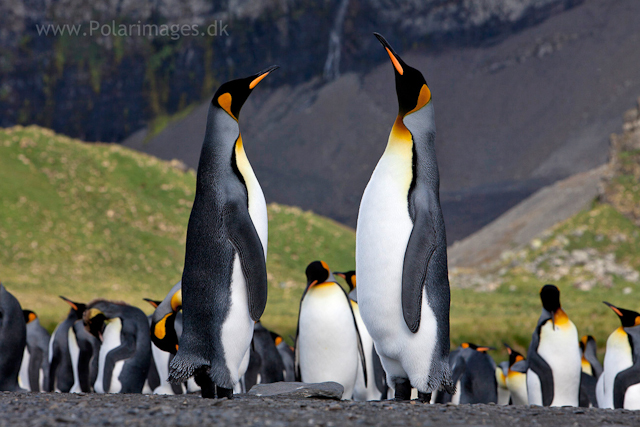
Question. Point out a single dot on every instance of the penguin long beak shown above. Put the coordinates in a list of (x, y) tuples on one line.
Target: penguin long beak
[(614, 308), (68, 301), (395, 59), (261, 75), (337, 273)]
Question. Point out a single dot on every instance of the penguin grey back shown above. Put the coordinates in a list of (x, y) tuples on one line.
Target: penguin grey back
[(13, 338)]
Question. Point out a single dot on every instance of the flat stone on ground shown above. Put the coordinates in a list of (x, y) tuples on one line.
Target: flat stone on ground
[(326, 390)]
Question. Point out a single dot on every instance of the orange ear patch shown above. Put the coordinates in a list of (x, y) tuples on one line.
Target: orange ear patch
[(464, 345), (224, 101), (423, 98), (278, 341), (32, 317), (395, 62)]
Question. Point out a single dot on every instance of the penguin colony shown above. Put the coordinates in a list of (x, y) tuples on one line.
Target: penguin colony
[(388, 337)]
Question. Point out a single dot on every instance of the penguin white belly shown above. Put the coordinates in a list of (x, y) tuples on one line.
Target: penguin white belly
[(192, 387), (74, 352), (617, 358), (328, 346), (534, 388), (455, 399), (110, 340), (161, 359), (632, 397), (384, 228), (360, 392), (559, 348), (517, 385), (23, 374), (237, 329)]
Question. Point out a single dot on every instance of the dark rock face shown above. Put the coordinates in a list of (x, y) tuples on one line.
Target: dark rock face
[(90, 84), (296, 390)]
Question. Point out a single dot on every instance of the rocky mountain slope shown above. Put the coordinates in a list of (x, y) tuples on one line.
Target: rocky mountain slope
[(512, 116)]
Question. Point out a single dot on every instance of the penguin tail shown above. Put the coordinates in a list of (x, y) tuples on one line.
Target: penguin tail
[(440, 379), (184, 366)]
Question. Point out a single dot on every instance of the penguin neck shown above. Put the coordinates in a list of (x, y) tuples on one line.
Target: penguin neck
[(219, 142), (400, 139)]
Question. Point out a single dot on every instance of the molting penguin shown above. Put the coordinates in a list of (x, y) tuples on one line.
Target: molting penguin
[(553, 377), (376, 388), (619, 384), (224, 281), (401, 249), (591, 370), (517, 377), (13, 338), (61, 377), (34, 371), (125, 353), (328, 346)]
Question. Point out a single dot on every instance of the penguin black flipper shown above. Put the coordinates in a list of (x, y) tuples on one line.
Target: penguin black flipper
[(296, 349), (244, 238), (125, 350), (379, 374), (538, 365), (360, 346), (622, 382), (35, 363), (588, 390)]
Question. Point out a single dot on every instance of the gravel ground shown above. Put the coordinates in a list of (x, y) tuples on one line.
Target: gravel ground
[(47, 409)]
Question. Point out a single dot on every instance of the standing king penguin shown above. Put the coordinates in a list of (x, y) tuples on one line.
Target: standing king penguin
[(553, 377), (517, 377), (13, 338), (224, 282), (401, 248), (619, 383), (328, 346), (34, 371), (61, 378)]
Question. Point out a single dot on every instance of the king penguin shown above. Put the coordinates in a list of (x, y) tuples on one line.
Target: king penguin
[(401, 248), (619, 383), (376, 388), (287, 356), (553, 377), (224, 282), (270, 367), (591, 370), (504, 395), (84, 349), (34, 371), (13, 338), (125, 352), (328, 346), (477, 382), (517, 377), (61, 377)]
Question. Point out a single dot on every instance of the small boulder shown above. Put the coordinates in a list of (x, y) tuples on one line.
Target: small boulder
[(295, 390)]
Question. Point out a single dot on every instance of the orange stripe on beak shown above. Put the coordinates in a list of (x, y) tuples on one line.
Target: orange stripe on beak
[(257, 80), (395, 62)]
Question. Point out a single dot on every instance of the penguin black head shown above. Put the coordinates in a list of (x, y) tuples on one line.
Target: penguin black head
[(585, 340), (550, 296), (514, 356), (349, 277), (77, 307), (628, 318), (95, 322), (475, 347), (411, 87), (163, 331), (29, 316), (317, 272), (232, 95)]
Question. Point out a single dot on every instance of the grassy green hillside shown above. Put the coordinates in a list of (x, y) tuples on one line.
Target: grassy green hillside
[(95, 220)]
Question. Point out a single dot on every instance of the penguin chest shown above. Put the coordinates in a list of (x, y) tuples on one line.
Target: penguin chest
[(517, 385), (110, 341), (327, 339), (559, 348), (618, 357), (74, 352), (383, 231), (23, 375)]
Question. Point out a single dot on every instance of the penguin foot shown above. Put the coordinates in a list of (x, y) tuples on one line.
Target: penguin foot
[(403, 390), (424, 397), (207, 386), (225, 392)]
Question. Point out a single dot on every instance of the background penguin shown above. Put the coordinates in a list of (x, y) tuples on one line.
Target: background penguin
[(504, 395), (224, 281), (401, 250), (619, 383), (125, 353), (157, 380), (591, 370), (376, 388), (287, 356), (60, 366), (34, 370), (478, 380), (517, 377), (13, 338), (269, 367), (553, 377), (328, 346), (84, 349)]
